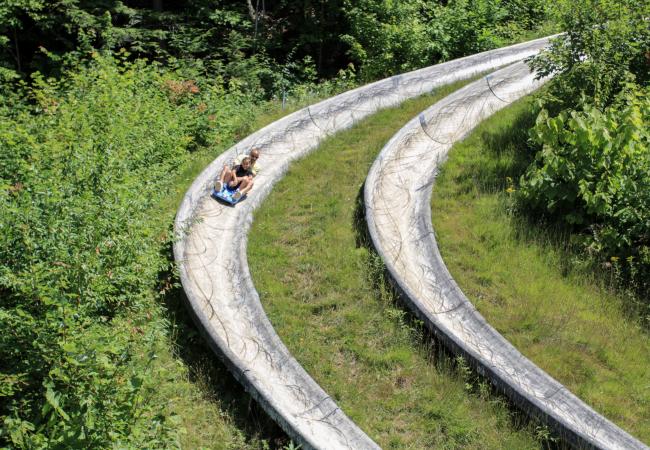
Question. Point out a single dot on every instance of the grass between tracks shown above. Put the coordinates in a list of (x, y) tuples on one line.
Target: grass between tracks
[(529, 286), (326, 297)]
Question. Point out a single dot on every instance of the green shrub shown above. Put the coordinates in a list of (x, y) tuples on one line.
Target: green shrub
[(593, 174), (472, 26), (388, 37), (604, 40), (81, 171), (593, 171)]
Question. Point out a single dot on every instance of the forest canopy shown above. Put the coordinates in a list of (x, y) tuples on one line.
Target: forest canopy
[(226, 38)]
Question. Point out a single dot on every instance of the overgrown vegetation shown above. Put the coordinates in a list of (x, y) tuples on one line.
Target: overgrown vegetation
[(387, 37), (261, 46), (107, 108), (92, 168), (593, 174), (605, 44), (81, 171)]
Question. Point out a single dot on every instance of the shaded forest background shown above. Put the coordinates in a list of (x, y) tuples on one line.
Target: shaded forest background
[(251, 42), (212, 36)]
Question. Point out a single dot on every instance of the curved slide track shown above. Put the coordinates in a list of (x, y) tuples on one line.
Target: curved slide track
[(397, 200), (211, 251)]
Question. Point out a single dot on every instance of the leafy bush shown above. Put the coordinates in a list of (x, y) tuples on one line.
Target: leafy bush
[(388, 37), (187, 30), (604, 40), (472, 26), (81, 171), (593, 173)]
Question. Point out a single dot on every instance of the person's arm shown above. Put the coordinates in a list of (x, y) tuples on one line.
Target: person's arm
[(237, 161), (233, 175), (255, 169)]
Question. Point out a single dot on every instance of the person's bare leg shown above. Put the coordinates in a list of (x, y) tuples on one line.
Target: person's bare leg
[(231, 178), (218, 186), (246, 186)]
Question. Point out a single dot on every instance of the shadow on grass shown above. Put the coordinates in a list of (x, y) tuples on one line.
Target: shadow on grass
[(510, 154), (210, 374), (425, 339), (508, 142)]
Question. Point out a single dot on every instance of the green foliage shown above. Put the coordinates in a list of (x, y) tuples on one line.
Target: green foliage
[(294, 29), (299, 83), (68, 27), (603, 41), (292, 446), (247, 46), (390, 37), (594, 172), (80, 172), (473, 26), (74, 28)]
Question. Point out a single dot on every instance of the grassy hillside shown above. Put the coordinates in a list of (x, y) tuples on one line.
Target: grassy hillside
[(526, 281)]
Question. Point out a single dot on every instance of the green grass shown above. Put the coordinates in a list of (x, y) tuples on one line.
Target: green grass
[(529, 286), (324, 294), (211, 408)]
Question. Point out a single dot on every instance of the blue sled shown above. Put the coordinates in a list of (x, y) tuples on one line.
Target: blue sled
[(226, 195)]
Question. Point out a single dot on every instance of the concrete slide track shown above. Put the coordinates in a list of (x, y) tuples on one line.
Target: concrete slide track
[(397, 200), (211, 251)]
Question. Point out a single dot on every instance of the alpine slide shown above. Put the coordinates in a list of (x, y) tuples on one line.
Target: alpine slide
[(212, 239)]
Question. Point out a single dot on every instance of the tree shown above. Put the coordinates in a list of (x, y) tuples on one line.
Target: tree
[(604, 40)]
